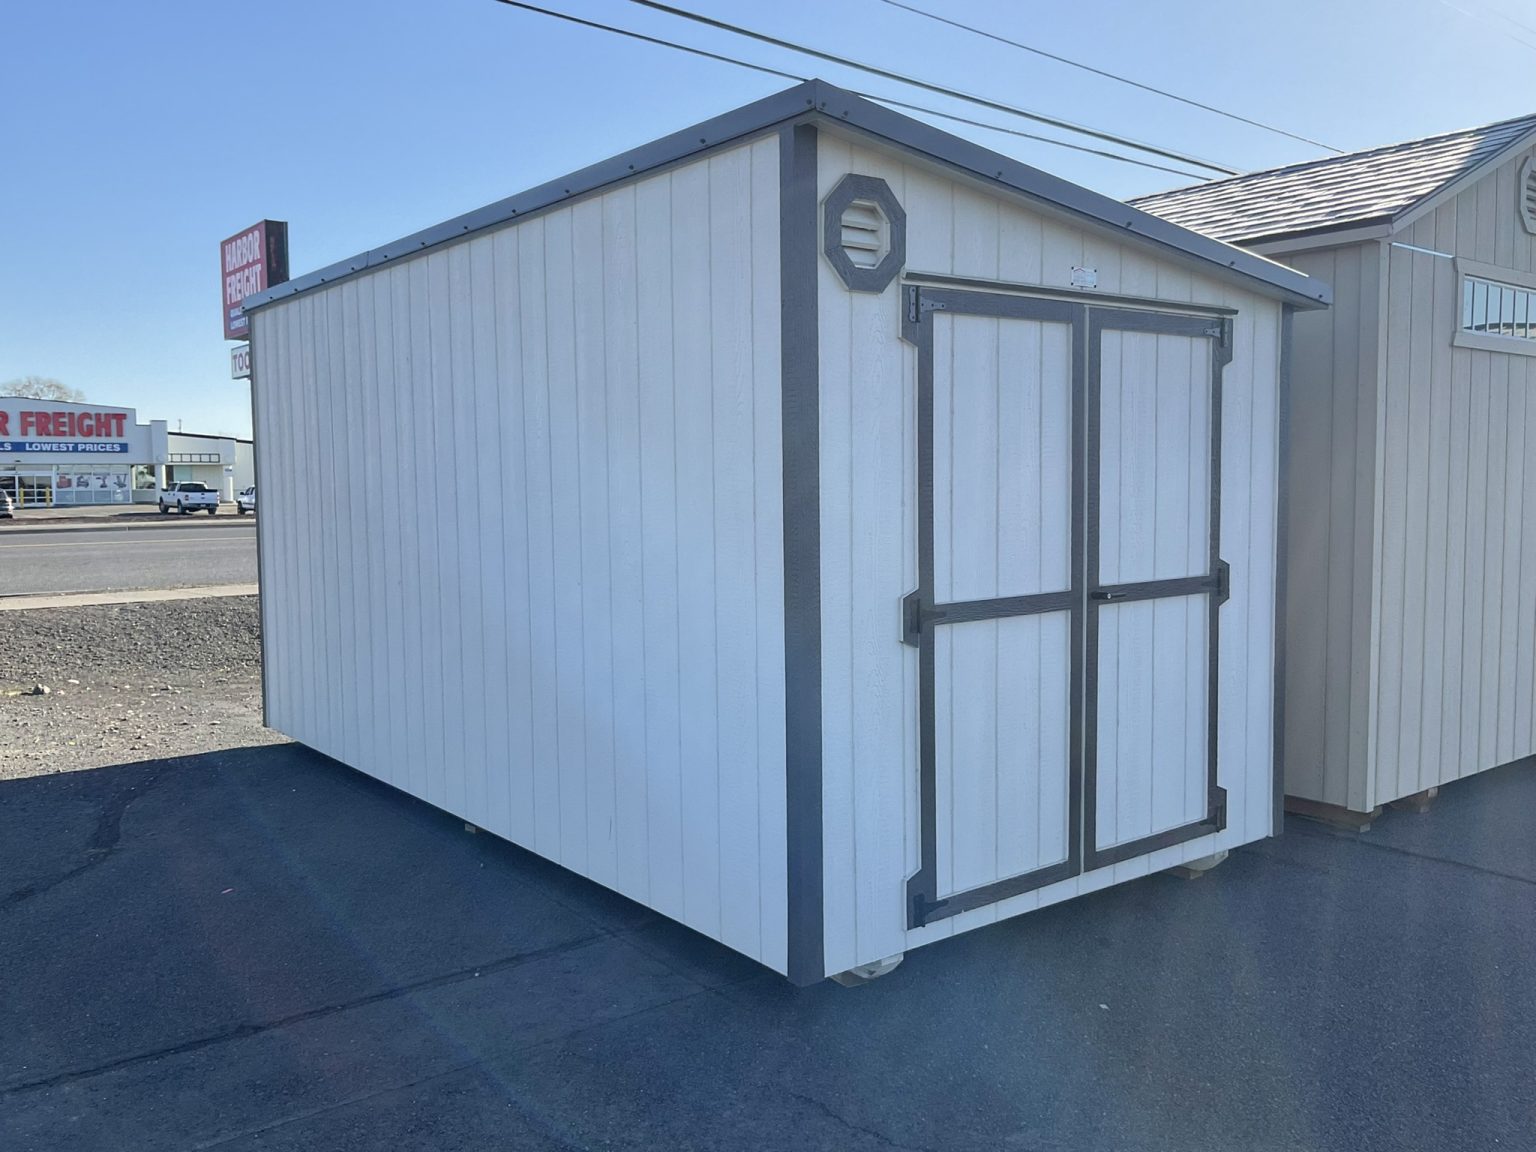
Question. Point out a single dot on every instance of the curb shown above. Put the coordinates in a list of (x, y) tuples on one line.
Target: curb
[(140, 596)]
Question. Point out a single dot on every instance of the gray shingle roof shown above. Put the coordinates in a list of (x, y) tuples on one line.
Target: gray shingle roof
[(1341, 191)]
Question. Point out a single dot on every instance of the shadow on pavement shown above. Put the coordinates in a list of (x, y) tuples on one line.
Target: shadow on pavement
[(263, 949)]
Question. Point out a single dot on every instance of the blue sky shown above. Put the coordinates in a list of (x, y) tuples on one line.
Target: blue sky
[(133, 138)]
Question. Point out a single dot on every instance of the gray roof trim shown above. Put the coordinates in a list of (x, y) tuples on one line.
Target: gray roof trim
[(817, 97)]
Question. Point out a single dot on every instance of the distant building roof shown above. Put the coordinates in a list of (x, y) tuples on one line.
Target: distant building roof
[(1374, 186)]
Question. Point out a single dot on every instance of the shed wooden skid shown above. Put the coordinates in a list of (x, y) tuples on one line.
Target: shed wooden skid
[(792, 543), (1411, 636)]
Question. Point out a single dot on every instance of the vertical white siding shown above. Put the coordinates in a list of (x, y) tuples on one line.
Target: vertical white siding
[(869, 555), (1329, 541), (1456, 644), (522, 536)]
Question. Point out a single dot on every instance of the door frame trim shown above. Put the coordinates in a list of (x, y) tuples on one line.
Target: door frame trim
[(1214, 582), (924, 905)]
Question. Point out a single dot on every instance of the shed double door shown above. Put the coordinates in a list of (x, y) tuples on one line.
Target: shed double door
[(1069, 589)]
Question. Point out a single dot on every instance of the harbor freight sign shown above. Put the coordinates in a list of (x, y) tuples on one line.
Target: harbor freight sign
[(50, 433), (250, 262)]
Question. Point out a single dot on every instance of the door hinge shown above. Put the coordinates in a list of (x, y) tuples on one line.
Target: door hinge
[(1223, 582), (922, 909), (912, 618), (1219, 807)]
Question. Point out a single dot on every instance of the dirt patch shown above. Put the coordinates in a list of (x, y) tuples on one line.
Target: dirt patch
[(128, 682)]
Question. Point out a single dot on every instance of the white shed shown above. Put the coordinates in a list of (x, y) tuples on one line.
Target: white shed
[(818, 528), (1411, 639)]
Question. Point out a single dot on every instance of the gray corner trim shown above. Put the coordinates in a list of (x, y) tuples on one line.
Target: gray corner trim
[(261, 588), (851, 187), (1282, 555), (834, 104), (801, 406)]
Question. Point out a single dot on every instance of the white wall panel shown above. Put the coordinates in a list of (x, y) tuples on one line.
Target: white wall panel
[(1444, 682), (522, 536)]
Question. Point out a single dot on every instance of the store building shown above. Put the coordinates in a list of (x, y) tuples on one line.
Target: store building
[(54, 454)]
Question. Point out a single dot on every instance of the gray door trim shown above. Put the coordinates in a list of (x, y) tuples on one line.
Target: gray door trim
[(1214, 583), (924, 906), (800, 407)]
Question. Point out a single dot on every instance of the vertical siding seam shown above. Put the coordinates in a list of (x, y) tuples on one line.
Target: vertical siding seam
[(645, 672), (1498, 705), (502, 538), (714, 543), (1380, 369), (997, 558), (549, 404), (757, 641)]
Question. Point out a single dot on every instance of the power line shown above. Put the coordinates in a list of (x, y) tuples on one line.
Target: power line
[(939, 89), (763, 68), (1486, 18), (1111, 75)]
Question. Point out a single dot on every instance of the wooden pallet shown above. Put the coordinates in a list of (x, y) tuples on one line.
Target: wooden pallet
[(1333, 815)]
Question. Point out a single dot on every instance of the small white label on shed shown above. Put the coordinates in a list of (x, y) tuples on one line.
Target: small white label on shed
[(1085, 277)]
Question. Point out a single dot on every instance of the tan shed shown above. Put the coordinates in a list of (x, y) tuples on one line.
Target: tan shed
[(1411, 631)]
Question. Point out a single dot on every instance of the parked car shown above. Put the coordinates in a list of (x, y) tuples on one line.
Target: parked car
[(246, 501), (7, 506), (190, 496)]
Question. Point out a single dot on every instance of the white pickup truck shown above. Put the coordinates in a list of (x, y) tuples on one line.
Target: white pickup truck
[(190, 496)]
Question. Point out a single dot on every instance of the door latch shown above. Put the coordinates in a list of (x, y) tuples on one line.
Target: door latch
[(912, 619), (1107, 596)]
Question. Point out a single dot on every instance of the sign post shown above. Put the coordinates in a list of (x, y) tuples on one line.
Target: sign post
[(251, 261)]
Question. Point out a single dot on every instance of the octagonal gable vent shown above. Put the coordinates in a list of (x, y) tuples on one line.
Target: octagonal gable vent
[(1527, 194), (865, 232)]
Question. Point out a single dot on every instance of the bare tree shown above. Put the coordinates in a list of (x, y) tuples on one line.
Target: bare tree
[(42, 388)]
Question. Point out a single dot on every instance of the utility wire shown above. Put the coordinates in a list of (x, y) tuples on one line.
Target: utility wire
[(1111, 75), (867, 95), (1487, 18), (939, 89)]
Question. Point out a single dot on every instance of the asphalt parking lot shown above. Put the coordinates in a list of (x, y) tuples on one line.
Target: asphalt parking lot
[(260, 948)]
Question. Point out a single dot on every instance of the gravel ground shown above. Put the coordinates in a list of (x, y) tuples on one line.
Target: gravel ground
[(128, 682)]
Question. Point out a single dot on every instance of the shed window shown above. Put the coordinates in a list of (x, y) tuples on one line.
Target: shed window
[(1490, 308)]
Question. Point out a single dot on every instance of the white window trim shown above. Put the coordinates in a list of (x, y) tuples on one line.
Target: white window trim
[(1481, 341)]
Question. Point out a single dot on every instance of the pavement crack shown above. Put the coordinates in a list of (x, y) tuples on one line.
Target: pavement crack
[(1478, 869), (245, 1031), (833, 1114), (99, 846)]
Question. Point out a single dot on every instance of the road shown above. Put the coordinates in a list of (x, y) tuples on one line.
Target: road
[(107, 559)]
